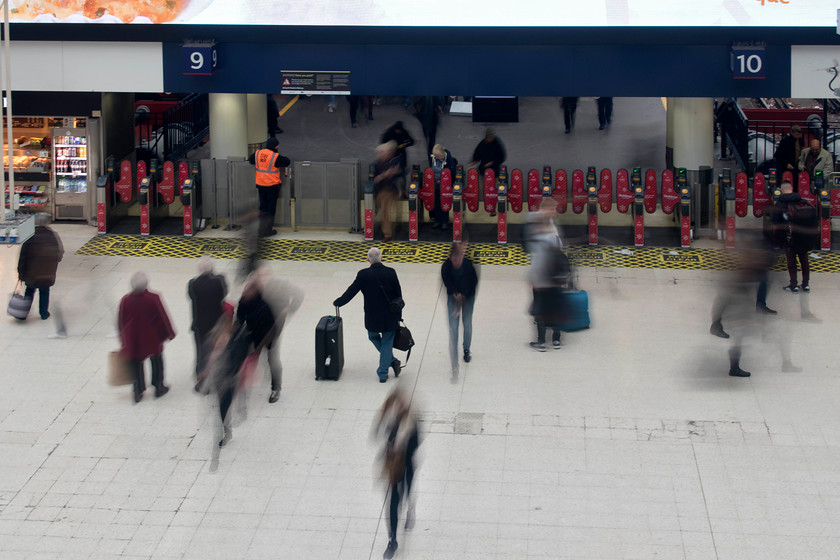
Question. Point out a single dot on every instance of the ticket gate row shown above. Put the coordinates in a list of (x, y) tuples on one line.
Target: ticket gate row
[(157, 195), (634, 192), (763, 191)]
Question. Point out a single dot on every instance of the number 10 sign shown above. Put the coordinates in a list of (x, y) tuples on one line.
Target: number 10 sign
[(747, 63), (200, 59)]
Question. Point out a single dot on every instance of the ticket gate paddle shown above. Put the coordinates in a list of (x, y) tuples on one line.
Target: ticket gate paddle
[(834, 193), (805, 190), (457, 204), (471, 191), (825, 219), (760, 195), (535, 194), (369, 204), (501, 201), (727, 194), (560, 193), (578, 192), (515, 190), (412, 210), (624, 196), (446, 190), (427, 192), (605, 193), (742, 192), (650, 191), (491, 197), (670, 197)]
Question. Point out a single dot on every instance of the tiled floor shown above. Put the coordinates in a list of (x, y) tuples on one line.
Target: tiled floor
[(630, 442)]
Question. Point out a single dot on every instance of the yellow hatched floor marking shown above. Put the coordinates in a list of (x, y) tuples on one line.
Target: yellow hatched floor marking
[(426, 252)]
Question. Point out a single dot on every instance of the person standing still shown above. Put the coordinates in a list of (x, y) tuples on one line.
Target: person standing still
[(144, 326), (788, 151), (796, 234), (385, 185), (461, 281), (270, 166), (207, 293), (605, 107), (441, 159), (379, 286), (38, 263), (569, 105)]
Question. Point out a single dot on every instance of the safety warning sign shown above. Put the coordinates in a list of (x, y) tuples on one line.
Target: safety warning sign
[(315, 82)]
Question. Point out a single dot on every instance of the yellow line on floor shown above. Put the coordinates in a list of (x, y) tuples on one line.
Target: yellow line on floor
[(289, 104)]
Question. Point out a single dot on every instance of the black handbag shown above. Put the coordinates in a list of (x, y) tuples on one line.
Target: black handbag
[(395, 304), (403, 340)]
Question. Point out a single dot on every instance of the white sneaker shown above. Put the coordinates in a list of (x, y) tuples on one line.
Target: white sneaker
[(58, 334)]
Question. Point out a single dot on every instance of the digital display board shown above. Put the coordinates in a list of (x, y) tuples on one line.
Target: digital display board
[(437, 13)]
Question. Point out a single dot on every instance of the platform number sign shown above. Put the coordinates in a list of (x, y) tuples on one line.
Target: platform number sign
[(747, 63), (200, 59)]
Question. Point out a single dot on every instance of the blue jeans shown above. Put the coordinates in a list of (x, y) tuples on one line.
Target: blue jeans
[(384, 342), (466, 318)]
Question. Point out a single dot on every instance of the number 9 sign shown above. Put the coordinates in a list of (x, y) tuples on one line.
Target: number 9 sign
[(200, 59)]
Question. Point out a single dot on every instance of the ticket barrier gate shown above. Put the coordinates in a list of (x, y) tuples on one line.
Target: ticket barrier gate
[(592, 205), (560, 193), (638, 208), (369, 204), (471, 191), (684, 208), (823, 211), (412, 210), (833, 187), (189, 181), (157, 194), (112, 202), (536, 193), (501, 202), (457, 204), (727, 194)]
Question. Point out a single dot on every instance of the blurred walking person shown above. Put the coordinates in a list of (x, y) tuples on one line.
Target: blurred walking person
[(38, 264), (461, 281), (144, 326), (397, 423), (385, 185), (441, 159), (549, 268), (207, 293), (254, 313)]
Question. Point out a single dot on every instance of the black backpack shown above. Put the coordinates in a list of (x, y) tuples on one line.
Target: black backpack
[(803, 214), (558, 267)]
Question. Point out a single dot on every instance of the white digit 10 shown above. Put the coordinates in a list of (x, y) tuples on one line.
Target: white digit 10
[(751, 64), (197, 60)]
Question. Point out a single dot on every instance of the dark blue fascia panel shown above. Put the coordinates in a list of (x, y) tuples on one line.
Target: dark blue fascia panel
[(639, 70)]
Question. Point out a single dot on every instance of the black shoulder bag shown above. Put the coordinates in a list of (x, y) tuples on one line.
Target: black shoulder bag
[(402, 338)]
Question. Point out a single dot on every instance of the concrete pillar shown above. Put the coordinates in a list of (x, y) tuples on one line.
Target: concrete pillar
[(228, 125), (692, 128), (257, 118)]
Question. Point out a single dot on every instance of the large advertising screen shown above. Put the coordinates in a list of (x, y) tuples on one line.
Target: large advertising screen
[(438, 13)]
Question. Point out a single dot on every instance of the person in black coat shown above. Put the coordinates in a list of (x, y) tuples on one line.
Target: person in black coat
[(38, 263), (461, 281), (787, 152), (569, 105), (207, 293), (795, 237), (256, 314), (380, 287), (403, 139)]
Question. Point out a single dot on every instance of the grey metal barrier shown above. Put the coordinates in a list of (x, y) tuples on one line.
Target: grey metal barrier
[(327, 194)]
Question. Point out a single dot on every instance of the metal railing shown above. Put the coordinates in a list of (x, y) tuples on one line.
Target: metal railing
[(172, 134)]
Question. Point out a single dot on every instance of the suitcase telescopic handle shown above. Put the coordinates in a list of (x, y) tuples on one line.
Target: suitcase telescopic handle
[(337, 314)]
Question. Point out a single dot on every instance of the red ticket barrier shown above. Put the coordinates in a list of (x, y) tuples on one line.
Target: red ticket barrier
[(624, 196), (413, 207), (471, 192), (446, 190), (560, 193), (427, 192), (638, 216), (742, 192), (145, 193), (835, 201), (370, 204), (805, 188), (592, 213), (578, 192), (787, 176), (515, 191), (491, 197), (670, 198), (141, 172), (650, 191), (188, 196), (605, 193), (535, 194), (166, 186), (760, 195), (824, 210), (125, 184), (457, 204)]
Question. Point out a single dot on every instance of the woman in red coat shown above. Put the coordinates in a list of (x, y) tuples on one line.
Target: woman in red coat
[(144, 326)]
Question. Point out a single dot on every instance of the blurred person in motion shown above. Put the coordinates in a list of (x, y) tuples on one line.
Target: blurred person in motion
[(441, 159), (255, 314), (230, 346), (569, 106), (353, 100), (268, 176), (461, 281), (272, 113), (796, 228), (380, 287), (788, 151), (207, 293), (488, 154), (403, 140), (144, 326), (548, 270), (38, 264), (385, 185), (428, 110), (605, 108), (397, 424)]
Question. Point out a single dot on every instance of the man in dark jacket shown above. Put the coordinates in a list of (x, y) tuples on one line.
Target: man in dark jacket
[(379, 286), (38, 263), (796, 233), (207, 292), (489, 153), (255, 313), (787, 152), (461, 280)]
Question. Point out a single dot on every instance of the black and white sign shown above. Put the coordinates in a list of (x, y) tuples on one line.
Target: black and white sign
[(315, 82)]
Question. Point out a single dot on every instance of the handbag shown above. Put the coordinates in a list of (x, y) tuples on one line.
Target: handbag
[(403, 340), (119, 373), (19, 304)]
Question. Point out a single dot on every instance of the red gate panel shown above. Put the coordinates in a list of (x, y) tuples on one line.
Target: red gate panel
[(650, 191), (446, 190), (578, 192), (760, 195), (141, 172), (624, 198), (427, 191), (741, 194), (835, 202), (787, 176), (515, 191), (560, 194), (670, 198), (166, 187), (535, 195), (805, 189), (605, 193), (491, 194), (471, 191), (125, 185)]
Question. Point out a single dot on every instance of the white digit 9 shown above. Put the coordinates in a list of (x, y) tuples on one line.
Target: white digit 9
[(197, 60), (215, 58)]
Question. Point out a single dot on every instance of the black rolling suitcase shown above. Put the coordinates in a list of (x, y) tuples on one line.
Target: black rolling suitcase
[(329, 347)]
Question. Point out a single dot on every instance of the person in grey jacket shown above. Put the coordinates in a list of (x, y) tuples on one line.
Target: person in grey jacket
[(816, 159), (543, 242)]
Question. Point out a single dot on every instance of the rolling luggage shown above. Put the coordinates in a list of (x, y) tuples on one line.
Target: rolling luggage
[(329, 347), (576, 311)]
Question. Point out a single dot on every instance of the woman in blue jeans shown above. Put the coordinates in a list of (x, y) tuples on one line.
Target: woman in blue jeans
[(461, 281)]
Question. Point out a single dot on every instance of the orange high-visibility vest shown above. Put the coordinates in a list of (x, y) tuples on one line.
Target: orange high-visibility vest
[(266, 175)]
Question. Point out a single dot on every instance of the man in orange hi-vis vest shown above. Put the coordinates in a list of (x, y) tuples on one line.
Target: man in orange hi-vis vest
[(269, 171)]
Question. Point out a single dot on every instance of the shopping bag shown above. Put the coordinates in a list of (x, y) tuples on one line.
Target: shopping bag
[(19, 304), (119, 372)]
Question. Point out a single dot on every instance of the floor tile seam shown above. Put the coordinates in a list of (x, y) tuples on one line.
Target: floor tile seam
[(708, 516)]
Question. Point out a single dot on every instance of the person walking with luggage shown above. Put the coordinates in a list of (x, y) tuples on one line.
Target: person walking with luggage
[(441, 159), (38, 264), (549, 267), (383, 308), (207, 293), (397, 423), (268, 177), (797, 230), (144, 326), (461, 281)]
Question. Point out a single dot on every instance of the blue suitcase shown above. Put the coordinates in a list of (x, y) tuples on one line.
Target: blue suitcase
[(576, 311)]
